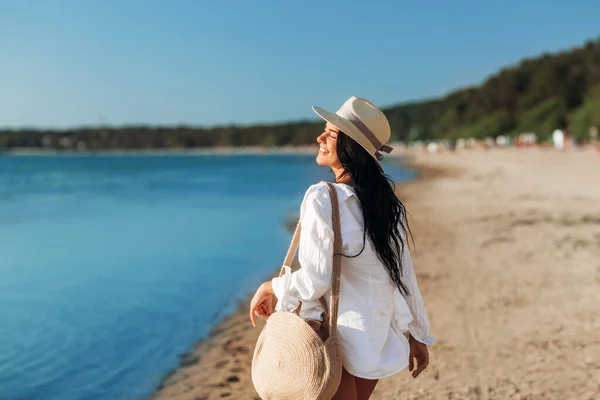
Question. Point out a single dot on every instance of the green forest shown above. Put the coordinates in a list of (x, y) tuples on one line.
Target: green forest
[(538, 95)]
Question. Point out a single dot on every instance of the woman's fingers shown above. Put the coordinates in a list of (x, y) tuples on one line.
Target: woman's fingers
[(418, 371), (262, 312), (422, 363), (254, 304), (261, 305), (252, 317)]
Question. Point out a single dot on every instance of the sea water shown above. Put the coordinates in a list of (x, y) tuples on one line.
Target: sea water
[(111, 267)]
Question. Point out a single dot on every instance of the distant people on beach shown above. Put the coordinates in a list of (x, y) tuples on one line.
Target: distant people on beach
[(558, 139)]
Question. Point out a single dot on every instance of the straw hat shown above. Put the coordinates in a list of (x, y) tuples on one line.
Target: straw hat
[(363, 122)]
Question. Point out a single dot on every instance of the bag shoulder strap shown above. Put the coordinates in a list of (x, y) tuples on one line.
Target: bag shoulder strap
[(337, 258)]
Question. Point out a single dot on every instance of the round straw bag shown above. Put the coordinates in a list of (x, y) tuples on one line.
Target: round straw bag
[(291, 360)]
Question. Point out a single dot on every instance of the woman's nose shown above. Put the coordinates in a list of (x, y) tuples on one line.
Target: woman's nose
[(320, 138)]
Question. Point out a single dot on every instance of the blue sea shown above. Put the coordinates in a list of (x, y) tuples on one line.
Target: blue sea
[(111, 267)]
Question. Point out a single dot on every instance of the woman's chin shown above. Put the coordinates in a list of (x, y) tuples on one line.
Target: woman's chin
[(320, 160)]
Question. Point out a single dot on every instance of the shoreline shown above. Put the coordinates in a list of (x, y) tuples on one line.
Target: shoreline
[(216, 151), (197, 151)]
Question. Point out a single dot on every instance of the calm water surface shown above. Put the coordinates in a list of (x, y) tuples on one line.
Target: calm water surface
[(111, 267)]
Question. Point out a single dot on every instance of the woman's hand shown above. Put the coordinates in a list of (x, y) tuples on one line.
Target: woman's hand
[(262, 302), (419, 352)]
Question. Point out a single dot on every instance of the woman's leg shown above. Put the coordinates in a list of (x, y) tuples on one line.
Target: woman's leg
[(347, 389), (364, 388)]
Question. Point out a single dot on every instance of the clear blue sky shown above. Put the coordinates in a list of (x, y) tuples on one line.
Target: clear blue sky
[(71, 63)]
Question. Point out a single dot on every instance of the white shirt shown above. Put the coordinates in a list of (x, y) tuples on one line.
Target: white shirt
[(373, 314)]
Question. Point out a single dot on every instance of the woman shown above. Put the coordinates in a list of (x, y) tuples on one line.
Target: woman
[(382, 322)]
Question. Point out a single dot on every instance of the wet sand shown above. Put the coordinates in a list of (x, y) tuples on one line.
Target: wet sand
[(508, 260)]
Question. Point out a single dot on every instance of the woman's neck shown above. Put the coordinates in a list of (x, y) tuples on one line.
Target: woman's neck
[(340, 177)]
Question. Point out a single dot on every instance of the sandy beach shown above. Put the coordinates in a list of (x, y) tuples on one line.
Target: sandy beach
[(508, 261)]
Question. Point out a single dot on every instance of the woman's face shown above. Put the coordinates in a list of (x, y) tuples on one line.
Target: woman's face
[(328, 147)]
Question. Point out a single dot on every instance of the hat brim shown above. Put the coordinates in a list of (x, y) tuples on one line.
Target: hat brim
[(348, 128)]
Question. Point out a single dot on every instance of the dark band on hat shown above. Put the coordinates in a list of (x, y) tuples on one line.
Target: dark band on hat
[(350, 116)]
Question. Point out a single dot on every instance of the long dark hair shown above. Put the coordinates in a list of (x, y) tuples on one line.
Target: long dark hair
[(384, 215)]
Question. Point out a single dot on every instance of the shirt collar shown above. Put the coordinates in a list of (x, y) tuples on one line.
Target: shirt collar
[(345, 191)]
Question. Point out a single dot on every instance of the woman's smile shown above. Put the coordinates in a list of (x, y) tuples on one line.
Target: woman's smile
[(327, 154)]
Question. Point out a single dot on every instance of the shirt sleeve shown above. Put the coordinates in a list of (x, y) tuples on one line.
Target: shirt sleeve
[(315, 253), (419, 326)]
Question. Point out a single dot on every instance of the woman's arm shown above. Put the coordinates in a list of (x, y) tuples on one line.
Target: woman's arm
[(315, 253), (419, 326)]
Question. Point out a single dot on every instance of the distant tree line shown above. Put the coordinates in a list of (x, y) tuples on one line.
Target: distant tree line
[(145, 137), (538, 95)]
